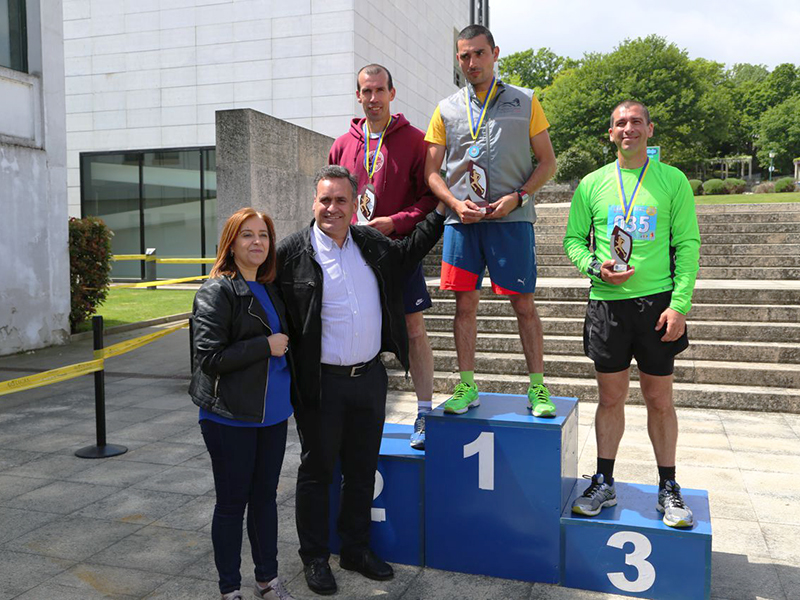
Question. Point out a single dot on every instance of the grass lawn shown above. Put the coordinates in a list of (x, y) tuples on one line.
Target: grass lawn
[(748, 198), (130, 306)]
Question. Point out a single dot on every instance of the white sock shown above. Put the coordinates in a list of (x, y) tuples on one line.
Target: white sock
[(424, 406)]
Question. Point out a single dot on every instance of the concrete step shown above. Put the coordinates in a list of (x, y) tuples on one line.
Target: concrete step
[(699, 330), (791, 219), (759, 240), (770, 352), (764, 313), (731, 249), (732, 397), (686, 371), (706, 291), (549, 228), (702, 209)]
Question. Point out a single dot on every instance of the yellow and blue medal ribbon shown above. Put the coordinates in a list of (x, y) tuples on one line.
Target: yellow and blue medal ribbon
[(371, 169), (473, 129), (627, 205)]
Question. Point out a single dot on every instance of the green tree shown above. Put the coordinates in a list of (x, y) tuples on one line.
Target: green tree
[(779, 132), (535, 70)]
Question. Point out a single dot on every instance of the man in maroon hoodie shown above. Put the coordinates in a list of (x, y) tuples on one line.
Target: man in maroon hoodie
[(393, 197)]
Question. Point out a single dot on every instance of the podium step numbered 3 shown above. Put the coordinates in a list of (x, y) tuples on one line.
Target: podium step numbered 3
[(492, 494)]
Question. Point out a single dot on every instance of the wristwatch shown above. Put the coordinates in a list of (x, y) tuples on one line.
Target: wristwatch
[(523, 197)]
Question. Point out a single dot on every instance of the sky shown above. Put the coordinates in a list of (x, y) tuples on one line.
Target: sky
[(734, 31)]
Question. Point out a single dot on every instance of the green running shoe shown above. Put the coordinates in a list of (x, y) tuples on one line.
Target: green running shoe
[(539, 401), (464, 397)]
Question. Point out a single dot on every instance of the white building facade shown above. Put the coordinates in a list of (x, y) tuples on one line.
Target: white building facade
[(34, 275), (147, 75)]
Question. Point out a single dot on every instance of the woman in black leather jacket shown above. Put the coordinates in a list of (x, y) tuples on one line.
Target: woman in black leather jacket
[(241, 382)]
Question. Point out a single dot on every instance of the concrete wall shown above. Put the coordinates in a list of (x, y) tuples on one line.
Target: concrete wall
[(34, 275), (268, 164), (149, 74)]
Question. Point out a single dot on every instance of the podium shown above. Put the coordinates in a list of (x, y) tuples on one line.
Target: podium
[(398, 527), (492, 495), (496, 482), (628, 550)]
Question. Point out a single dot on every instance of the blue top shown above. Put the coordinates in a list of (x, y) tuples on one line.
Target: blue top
[(277, 403)]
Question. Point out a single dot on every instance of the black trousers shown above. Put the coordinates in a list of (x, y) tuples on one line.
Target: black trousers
[(347, 426)]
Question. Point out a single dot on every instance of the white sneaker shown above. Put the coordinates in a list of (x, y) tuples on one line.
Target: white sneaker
[(234, 595), (273, 591)]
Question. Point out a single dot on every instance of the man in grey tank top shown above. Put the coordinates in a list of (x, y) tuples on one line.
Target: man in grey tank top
[(486, 131)]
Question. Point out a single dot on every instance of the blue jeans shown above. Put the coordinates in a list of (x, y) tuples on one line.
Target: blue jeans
[(246, 464)]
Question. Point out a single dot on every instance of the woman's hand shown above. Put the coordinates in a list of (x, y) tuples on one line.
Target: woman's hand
[(278, 344)]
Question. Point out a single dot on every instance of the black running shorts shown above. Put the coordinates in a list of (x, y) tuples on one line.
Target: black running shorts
[(614, 331)]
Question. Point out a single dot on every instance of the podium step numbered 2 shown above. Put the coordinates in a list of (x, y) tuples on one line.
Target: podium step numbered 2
[(492, 493)]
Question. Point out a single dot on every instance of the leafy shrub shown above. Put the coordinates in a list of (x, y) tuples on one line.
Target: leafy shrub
[(735, 186), (697, 187), (573, 163), (785, 184), (714, 187), (767, 187), (89, 267)]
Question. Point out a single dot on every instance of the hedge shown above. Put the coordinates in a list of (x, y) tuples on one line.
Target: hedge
[(735, 186), (697, 187), (714, 187), (89, 267), (785, 184)]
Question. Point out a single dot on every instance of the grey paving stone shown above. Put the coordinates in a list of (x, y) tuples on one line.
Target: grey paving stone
[(789, 574), (53, 590), (13, 458), (192, 516), (15, 522), (12, 486), (156, 549), (201, 461), (180, 480), (117, 472), (50, 442), (162, 453), (62, 497), (739, 577), (185, 416), (782, 541), (739, 537), (433, 584), (165, 402), (73, 537), (21, 571), (190, 435), (134, 506), (51, 466), (112, 581), (151, 431), (133, 415), (183, 588), (543, 591)]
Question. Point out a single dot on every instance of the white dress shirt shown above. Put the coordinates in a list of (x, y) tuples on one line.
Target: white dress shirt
[(351, 303)]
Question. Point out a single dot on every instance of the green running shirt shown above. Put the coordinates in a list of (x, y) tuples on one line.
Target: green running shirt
[(663, 222)]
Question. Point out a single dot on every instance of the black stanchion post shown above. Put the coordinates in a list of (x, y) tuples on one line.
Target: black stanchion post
[(101, 450)]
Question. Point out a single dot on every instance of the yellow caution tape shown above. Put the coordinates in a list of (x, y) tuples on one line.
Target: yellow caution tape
[(128, 345), (128, 257), (51, 376), (146, 284), (186, 261)]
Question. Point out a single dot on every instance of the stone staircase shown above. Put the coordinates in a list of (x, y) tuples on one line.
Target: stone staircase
[(744, 326)]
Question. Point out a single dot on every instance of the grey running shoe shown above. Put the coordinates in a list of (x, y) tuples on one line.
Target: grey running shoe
[(234, 595), (418, 437), (273, 591), (670, 502), (596, 497)]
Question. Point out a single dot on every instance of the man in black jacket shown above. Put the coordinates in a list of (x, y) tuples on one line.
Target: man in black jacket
[(342, 285)]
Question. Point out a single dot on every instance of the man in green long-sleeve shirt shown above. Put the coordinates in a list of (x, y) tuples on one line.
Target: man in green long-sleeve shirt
[(639, 311)]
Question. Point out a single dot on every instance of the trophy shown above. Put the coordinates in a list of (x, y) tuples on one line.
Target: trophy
[(478, 186), (621, 248)]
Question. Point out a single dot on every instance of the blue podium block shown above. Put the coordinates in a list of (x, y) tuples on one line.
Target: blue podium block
[(398, 527), (628, 550), (496, 482)]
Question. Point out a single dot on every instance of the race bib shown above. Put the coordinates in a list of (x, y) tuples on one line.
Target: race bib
[(641, 225)]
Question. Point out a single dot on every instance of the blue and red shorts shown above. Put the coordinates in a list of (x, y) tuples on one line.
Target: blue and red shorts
[(507, 249)]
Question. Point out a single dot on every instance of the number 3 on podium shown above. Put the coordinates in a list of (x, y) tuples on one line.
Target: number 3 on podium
[(645, 572), (483, 446)]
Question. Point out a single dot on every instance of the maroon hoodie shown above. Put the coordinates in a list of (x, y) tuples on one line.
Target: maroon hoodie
[(399, 178)]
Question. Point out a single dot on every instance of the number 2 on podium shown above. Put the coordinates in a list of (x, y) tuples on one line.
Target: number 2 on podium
[(483, 446)]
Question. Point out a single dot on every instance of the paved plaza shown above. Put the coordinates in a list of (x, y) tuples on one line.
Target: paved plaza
[(138, 526)]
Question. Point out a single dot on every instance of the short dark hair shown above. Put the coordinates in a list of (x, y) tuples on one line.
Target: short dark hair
[(336, 172), (473, 31), (628, 104), (374, 69)]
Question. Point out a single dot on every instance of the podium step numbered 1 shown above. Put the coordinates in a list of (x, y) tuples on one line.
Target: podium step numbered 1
[(492, 493)]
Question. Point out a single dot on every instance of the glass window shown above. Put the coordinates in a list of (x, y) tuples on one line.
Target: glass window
[(13, 35), (111, 192), (172, 208), (210, 203)]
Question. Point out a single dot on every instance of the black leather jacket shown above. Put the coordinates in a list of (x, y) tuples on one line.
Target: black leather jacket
[(230, 348), (300, 281)]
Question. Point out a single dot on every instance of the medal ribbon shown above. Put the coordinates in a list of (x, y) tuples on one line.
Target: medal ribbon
[(627, 205), (474, 131), (371, 170)]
